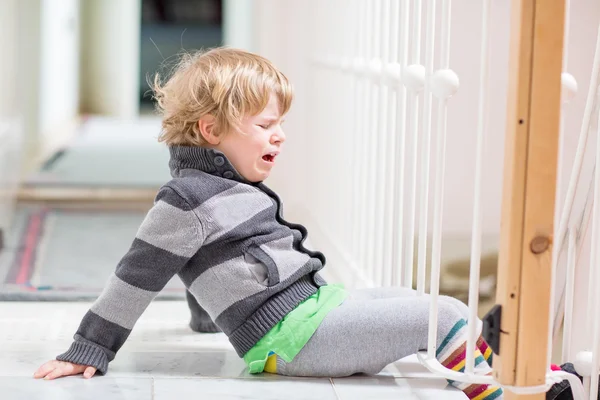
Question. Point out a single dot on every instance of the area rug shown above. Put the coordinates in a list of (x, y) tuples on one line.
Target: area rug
[(67, 255)]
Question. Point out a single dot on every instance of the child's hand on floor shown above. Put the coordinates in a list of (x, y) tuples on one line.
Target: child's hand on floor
[(55, 369)]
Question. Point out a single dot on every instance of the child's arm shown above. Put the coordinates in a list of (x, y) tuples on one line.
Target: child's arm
[(169, 236)]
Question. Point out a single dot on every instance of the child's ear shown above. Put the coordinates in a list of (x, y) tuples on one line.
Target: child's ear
[(206, 125)]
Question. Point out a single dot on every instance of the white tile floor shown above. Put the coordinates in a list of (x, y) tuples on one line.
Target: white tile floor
[(164, 359)]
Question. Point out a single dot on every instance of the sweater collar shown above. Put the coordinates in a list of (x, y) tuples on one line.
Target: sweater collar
[(207, 160)]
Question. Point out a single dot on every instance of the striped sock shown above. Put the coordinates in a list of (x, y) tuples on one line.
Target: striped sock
[(485, 350), (452, 353)]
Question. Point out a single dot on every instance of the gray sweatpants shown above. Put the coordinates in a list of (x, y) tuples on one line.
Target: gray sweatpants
[(371, 329)]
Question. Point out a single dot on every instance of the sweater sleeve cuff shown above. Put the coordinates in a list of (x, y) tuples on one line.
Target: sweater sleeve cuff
[(86, 354)]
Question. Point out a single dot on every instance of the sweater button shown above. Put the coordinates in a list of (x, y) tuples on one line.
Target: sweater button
[(228, 174), (219, 161)]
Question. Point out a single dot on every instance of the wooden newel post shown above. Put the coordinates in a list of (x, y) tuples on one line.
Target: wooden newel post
[(530, 166)]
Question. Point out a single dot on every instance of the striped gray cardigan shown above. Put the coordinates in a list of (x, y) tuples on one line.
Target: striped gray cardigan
[(228, 242)]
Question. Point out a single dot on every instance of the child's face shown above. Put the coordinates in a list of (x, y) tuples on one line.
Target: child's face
[(254, 151)]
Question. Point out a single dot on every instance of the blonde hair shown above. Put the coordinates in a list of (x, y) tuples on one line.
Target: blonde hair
[(226, 83)]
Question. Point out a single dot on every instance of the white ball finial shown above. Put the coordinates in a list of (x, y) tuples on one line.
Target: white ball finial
[(583, 363), (414, 77), (444, 83), (569, 87)]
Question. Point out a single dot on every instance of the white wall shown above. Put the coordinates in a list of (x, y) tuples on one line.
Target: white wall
[(59, 81), (238, 24), (9, 15), (29, 69), (110, 49), (281, 33), (10, 132)]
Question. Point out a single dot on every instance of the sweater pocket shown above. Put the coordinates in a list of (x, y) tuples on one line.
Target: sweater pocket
[(262, 266)]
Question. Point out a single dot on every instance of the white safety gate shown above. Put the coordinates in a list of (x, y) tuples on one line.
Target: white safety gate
[(381, 85)]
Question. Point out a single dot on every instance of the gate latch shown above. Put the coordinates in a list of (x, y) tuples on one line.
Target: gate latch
[(491, 328)]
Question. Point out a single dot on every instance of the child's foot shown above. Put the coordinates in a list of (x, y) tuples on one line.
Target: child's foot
[(201, 321), (204, 326), (452, 354)]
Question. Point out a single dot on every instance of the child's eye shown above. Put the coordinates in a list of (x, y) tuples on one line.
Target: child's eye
[(265, 126)]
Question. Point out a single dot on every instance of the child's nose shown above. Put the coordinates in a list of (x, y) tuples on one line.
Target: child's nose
[(278, 136)]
